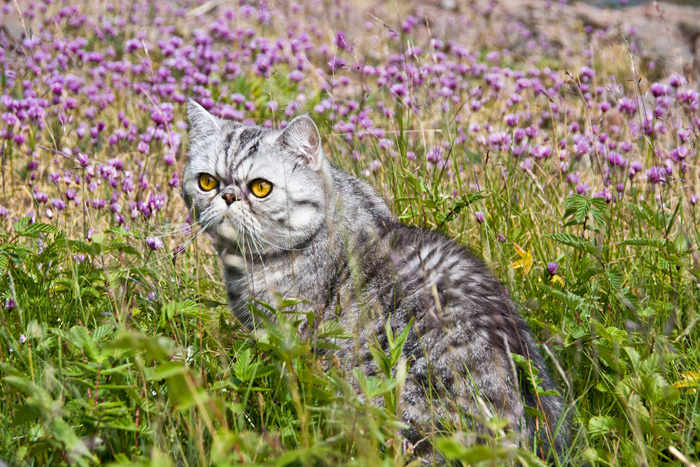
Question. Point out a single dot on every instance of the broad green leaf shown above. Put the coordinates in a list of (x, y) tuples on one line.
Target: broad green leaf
[(602, 425)]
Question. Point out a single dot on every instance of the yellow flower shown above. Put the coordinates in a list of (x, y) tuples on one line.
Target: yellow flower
[(691, 379), (525, 260)]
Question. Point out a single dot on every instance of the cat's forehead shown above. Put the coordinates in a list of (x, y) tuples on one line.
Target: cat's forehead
[(242, 135)]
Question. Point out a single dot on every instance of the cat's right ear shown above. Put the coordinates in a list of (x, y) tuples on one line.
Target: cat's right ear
[(201, 122)]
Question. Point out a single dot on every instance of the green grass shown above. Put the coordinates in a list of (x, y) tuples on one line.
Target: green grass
[(106, 374), (112, 353)]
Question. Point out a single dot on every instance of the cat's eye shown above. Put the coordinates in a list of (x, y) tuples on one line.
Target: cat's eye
[(207, 182), (260, 188)]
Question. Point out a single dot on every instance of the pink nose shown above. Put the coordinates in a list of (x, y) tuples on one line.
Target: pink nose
[(229, 198)]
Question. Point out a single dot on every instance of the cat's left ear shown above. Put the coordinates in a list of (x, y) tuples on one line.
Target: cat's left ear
[(301, 135)]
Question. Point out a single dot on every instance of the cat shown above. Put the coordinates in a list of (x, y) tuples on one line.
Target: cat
[(288, 222)]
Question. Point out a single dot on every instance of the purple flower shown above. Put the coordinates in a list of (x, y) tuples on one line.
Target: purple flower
[(677, 81), (627, 106), (616, 160), (83, 159), (658, 89), (552, 268), (499, 140), (162, 114), (678, 154), (341, 41), (22, 338), (586, 74), (41, 197), (58, 204), (296, 75), (154, 243), (10, 304), (656, 175), (694, 199), (541, 152), (635, 168), (479, 217)]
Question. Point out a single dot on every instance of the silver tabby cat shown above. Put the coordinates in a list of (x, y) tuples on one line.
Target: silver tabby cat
[(288, 222)]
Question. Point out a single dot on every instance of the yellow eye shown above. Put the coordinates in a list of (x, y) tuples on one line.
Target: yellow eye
[(207, 182), (261, 188)]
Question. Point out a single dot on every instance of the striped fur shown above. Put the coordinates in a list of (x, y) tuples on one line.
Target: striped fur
[(327, 237)]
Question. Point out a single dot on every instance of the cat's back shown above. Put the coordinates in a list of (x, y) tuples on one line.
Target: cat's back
[(429, 261)]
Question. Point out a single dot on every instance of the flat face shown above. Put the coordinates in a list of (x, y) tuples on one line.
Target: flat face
[(256, 188)]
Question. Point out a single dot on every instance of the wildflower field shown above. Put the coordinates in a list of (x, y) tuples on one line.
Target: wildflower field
[(572, 171)]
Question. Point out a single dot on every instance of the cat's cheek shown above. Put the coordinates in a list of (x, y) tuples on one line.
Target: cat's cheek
[(301, 219), (226, 231)]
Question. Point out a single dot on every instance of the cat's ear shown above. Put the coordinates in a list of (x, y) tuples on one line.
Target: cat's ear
[(201, 122), (301, 136)]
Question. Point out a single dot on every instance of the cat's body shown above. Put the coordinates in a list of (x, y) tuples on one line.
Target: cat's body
[(321, 235)]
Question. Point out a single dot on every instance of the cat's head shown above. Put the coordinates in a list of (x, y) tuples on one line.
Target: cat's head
[(258, 189)]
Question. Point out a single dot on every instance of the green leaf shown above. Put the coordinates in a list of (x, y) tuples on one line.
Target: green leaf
[(24, 414), (120, 245), (570, 299), (576, 205), (79, 246), (381, 359), (155, 347), (372, 386), (242, 369), (333, 330), (602, 425), (184, 308), (398, 344), (35, 230), (576, 242), (452, 449), (457, 206), (167, 370), (74, 446), (615, 279)]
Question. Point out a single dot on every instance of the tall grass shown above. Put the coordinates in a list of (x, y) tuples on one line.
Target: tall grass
[(577, 187)]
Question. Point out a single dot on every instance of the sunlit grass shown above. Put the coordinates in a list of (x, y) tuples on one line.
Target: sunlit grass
[(117, 343)]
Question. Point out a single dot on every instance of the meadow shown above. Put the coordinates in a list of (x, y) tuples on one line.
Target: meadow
[(572, 172)]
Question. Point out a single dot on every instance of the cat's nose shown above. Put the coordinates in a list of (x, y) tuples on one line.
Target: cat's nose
[(229, 198)]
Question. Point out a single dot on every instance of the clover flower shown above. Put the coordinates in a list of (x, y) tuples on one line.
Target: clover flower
[(154, 243)]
